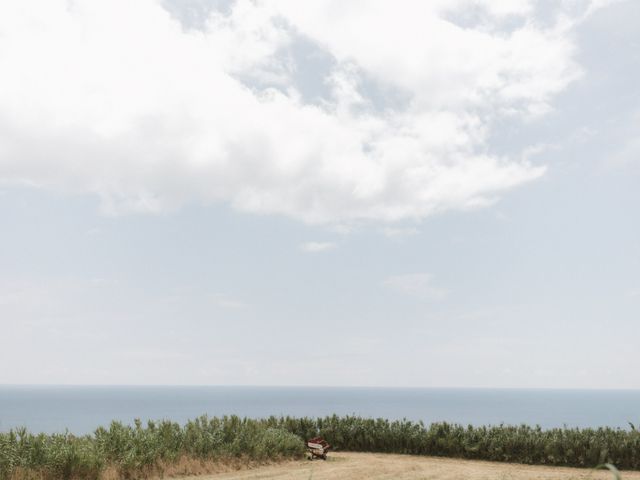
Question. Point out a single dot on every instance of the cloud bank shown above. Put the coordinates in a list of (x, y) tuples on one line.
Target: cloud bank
[(118, 99)]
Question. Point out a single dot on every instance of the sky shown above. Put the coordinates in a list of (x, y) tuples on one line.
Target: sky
[(363, 193)]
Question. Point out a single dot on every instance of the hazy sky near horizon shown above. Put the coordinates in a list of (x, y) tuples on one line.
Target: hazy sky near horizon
[(376, 193)]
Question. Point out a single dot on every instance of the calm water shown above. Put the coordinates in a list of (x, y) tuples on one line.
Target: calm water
[(81, 409)]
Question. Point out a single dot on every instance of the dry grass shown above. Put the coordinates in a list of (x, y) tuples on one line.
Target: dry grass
[(194, 467), (371, 466), (184, 467)]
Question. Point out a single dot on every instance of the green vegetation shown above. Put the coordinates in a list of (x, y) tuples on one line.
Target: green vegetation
[(141, 451), (520, 444), (136, 452)]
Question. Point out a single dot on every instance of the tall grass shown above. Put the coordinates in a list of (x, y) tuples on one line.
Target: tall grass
[(504, 443), (138, 451)]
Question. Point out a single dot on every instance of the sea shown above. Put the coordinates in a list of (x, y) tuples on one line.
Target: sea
[(80, 409)]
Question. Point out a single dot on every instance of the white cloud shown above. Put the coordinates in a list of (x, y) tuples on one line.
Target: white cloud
[(317, 247), (598, 4), (114, 98), (418, 285), (443, 66)]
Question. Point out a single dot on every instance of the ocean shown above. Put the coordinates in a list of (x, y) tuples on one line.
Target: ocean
[(80, 409)]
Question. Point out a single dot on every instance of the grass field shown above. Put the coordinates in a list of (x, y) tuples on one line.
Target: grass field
[(377, 466)]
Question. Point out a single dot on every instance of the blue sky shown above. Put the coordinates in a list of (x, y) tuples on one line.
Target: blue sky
[(288, 193)]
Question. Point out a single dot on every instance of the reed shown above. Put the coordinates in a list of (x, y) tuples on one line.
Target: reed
[(573, 447), (141, 451), (138, 451)]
